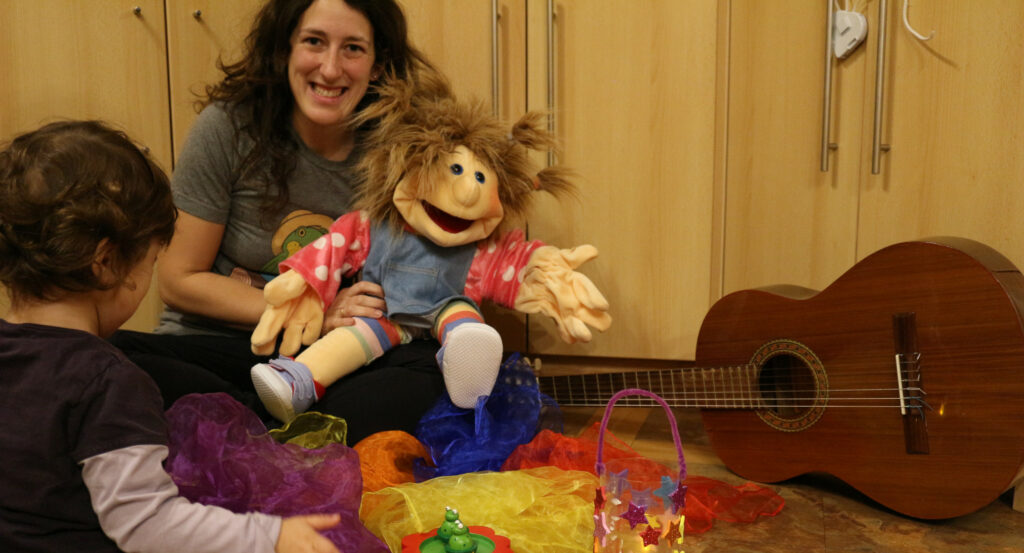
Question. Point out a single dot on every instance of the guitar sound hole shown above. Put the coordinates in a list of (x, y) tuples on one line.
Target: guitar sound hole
[(787, 386)]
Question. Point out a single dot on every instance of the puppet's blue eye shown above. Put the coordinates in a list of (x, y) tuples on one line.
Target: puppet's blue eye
[(456, 169), (479, 177)]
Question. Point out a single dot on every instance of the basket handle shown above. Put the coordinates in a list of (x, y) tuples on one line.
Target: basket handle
[(671, 421)]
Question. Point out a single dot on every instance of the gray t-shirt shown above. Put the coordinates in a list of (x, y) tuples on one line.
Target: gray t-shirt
[(206, 184)]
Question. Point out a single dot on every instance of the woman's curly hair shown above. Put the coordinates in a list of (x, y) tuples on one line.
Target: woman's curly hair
[(419, 122), (256, 89), (64, 189)]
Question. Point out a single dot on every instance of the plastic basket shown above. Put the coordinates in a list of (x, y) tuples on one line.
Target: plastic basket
[(629, 520)]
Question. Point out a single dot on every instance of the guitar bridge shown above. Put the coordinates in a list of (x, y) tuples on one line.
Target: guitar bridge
[(909, 383)]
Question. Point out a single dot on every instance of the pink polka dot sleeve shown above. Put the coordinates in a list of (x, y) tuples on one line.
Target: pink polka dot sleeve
[(497, 268), (340, 252)]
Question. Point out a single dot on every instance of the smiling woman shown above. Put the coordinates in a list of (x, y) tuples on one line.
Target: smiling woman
[(275, 141), (330, 68)]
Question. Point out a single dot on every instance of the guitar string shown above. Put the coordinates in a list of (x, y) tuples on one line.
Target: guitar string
[(761, 403), (911, 402), (726, 398), (703, 390)]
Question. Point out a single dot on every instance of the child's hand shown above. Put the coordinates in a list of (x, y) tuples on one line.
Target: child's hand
[(301, 534)]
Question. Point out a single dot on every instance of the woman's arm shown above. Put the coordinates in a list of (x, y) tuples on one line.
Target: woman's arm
[(187, 284)]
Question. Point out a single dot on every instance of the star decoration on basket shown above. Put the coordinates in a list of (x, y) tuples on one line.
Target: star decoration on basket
[(618, 482), (601, 528), (636, 514), (673, 535), (642, 497), (665, 490), (678, 498), (650, 536)]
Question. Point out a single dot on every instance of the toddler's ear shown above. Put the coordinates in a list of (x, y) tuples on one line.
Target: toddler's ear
[(102, 260)]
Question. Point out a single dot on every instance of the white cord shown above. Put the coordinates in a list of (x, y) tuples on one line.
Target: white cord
[(906, 23)]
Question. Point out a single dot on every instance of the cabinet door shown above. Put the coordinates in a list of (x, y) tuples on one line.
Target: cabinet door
[(88, 59), (953, 120), (460, 37), (634, 98), (787, 221), (199, 33)]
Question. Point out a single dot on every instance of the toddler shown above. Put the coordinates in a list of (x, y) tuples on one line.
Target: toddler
[(83, 215)]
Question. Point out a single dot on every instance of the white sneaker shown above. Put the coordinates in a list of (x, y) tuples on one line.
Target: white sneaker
[(470, 360), (285, 387)]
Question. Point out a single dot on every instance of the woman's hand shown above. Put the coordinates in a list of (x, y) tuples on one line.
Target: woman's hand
[(362, 299)]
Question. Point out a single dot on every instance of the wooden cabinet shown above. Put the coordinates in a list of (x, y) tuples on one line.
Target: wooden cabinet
[(786, 221), (479, 45), (950, 119), (88, 59), (953, 121), (633, 104), (633, 97), (201, 32)]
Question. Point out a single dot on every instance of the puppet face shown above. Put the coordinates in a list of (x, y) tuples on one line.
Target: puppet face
[(462, 209)]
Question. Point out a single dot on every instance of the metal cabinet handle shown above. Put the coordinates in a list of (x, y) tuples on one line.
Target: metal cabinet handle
[(826, 103), (551, 75), (495, 80), (876, 140)]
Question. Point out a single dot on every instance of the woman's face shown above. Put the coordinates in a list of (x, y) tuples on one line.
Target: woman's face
[(331, 64)]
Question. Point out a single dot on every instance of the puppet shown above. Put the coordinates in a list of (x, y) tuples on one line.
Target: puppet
[(440, 182)]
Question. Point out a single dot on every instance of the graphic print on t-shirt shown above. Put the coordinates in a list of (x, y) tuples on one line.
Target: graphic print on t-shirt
[(296, 230)]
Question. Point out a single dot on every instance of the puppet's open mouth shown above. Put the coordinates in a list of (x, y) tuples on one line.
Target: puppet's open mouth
[(449, 223)]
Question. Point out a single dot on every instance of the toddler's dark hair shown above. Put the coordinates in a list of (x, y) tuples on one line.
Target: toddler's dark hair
[(63, 189)]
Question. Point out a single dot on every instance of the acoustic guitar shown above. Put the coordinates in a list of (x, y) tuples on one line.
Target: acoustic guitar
[(904, 378)]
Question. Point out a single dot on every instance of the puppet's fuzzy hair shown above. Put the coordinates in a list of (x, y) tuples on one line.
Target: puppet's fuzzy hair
[(416, 124)]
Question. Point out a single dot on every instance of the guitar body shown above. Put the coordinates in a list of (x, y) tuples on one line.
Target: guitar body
[(833, 357)]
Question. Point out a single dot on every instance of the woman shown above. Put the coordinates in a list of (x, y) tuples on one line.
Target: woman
[(265, 169)]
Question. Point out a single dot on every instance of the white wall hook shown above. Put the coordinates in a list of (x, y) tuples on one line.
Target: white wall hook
[(906, 23)]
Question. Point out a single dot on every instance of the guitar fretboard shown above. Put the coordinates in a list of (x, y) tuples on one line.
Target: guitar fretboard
[(721, 387)]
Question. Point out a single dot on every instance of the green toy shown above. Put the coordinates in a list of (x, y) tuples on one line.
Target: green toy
[(447, 528), (460, 542), (452, 536)]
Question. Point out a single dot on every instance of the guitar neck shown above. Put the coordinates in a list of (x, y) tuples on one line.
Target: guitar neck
[(709, 388)]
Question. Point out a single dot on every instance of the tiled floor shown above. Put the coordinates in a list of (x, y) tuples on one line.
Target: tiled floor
[(822, 515)]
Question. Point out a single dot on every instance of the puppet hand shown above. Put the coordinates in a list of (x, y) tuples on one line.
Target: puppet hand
[(553, 287), (292, 305)]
